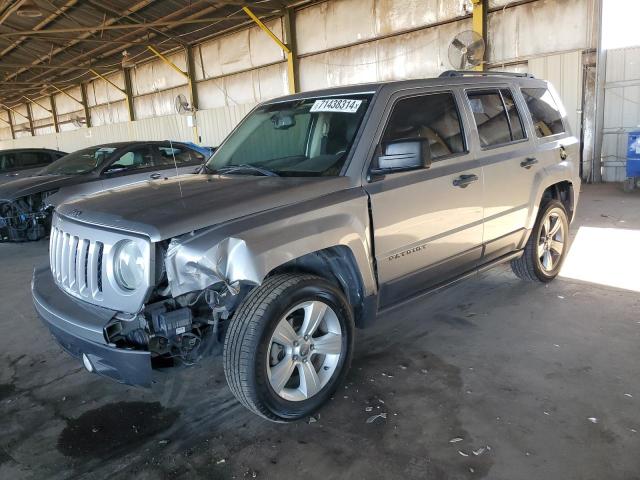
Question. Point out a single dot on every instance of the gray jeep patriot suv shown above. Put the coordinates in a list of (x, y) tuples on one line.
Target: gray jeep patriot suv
[(319, 212)]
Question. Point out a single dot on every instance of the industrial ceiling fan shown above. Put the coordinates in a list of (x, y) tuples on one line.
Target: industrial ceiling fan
[(466, 50), (182, 105)]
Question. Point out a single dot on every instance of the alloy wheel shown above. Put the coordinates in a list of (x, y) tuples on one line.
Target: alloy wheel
[(551, 242), (304, 350)]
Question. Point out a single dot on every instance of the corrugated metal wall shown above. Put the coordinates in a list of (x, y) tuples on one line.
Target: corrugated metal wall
[(621, 110), (391, 39)]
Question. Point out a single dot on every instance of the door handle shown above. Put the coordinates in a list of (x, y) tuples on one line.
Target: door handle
[(528, 163), (155, 176), (463, 181), (563, 154)]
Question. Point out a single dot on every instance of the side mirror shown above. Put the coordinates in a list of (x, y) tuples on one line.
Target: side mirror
[(404, 154)]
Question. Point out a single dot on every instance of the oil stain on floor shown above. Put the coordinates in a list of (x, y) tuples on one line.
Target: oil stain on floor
[(112, 427)]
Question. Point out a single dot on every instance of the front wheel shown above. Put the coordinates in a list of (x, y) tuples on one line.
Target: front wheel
[(547, 246), (288, 346)]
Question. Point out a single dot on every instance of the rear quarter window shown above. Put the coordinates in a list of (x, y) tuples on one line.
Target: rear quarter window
[(545, 113)]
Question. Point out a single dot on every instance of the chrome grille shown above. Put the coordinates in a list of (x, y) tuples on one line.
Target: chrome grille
[(76, 263), (81, 258)]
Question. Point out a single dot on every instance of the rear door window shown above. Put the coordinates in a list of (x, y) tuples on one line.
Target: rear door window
[(138, 158), (496, 117), (515, 121), (167, 154), (545, 112)]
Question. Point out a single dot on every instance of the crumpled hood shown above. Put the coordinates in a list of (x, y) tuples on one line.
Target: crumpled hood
[(30, 185), (163, 209)]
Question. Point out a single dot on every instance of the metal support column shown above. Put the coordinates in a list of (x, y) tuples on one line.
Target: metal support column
[(287, 49), (479, 21), (13, 130), (85, 105), (128, 91), (54, 114), (598, 124), (15, 112), (30, 117), (191, 72)]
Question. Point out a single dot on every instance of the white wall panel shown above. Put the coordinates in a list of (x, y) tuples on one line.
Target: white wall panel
[(396, 15), (64, 104), (37, 112), (212, 94), (333, 24), (215, 124), (43, 126), (66, 121), (99, 91), (249, 48), (5, 134), (157, 75), (109, 113), (159, 103), (564, 71), (414, 55), (338, 23), (539, 28), (262, 49)]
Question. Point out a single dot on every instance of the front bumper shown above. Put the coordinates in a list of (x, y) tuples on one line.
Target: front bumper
[(78, 328)]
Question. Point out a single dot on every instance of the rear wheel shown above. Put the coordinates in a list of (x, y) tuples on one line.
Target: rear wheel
[(547, 246), (288, 346)]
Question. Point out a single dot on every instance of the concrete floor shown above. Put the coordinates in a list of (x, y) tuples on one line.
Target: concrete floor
[(516, 371)]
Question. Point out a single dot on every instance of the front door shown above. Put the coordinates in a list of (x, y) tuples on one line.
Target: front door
[(427, 222)]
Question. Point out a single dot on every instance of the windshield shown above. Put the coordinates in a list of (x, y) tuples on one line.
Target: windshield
[(82, 161), (310, 137)]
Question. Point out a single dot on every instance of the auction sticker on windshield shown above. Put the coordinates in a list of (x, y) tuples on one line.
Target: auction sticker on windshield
[(336, 105)]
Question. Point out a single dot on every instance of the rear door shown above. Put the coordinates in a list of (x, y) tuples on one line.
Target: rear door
[(505, 151), (552, 134), (427, 223)]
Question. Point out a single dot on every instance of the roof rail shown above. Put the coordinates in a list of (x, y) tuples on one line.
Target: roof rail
[(478, 73)]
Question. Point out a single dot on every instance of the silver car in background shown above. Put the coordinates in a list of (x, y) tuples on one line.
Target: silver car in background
[(26, 204)]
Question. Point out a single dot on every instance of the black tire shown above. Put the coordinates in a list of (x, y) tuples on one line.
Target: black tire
[(248, 337), (529, 267)]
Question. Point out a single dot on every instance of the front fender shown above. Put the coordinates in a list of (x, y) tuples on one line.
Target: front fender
[(247, 249)]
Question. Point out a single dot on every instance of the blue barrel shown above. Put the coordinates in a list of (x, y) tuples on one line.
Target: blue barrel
[(633, 155)]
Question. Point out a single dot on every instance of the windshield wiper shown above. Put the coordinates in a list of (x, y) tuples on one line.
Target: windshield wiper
[(246, 166)]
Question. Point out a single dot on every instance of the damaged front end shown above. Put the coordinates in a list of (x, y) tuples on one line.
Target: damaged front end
[(25, 219), (184, 329), (177, 329)]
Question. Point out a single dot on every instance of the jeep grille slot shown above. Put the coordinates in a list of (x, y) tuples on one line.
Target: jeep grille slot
[(76, 263), (81, 256)]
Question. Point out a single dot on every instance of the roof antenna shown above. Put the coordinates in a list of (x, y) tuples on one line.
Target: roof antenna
[(175, 164)]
